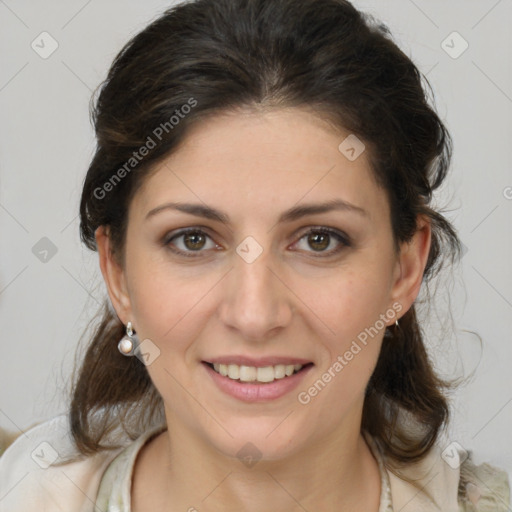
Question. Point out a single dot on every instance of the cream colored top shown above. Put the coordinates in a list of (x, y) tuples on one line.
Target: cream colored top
[(31, 479)]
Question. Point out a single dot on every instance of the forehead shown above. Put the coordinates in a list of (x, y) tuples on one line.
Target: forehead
[(264, 161)]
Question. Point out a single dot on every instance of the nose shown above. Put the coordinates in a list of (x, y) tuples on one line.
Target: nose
[(255, 299)]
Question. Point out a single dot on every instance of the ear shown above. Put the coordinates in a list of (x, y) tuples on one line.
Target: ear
[(113, 276), (411, 265)]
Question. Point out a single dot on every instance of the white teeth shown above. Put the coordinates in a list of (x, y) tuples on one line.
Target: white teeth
[(233, 371), (265, 374), (247, 373), (279, 371), (288, 369), (252, 373)]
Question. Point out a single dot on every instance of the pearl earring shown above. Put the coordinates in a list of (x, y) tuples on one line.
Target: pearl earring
[(128, 342)]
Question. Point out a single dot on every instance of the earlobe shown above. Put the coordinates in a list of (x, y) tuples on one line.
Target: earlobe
[(113, 275), (411, 263)]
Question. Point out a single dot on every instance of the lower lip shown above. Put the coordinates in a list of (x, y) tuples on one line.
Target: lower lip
[(257, 392)]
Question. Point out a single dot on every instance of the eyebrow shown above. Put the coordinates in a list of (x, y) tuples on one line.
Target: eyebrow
[(290, 215)]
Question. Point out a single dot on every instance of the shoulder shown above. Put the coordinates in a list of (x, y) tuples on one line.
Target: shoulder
[(43, 470), (447, 479), (483, 487)]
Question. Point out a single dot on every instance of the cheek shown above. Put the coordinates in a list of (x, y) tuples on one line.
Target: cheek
[(163, 303), (350, 304), (352, 309)]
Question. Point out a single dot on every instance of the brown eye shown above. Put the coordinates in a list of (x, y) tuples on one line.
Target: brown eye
[(194, 241), (189, 241), (320, 239)]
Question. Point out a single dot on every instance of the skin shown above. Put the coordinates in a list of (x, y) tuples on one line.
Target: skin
[(289, 301)]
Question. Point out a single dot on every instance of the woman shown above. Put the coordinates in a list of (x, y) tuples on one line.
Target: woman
[(260, 202)]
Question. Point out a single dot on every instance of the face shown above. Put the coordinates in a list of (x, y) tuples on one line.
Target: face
[(262, 279)]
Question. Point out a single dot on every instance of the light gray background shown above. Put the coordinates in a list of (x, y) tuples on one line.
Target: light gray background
[(46, 142)]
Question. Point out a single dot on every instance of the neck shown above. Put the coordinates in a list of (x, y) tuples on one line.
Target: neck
[(338, 473)]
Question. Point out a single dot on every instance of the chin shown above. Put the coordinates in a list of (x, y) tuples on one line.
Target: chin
[(270, 439)]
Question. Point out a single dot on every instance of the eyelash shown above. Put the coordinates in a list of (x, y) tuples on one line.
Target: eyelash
[(340, 237)]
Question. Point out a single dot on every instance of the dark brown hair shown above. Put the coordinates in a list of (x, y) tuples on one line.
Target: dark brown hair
[(217, 56)]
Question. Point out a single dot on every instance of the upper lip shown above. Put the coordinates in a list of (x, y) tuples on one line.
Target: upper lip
[(257, 361)]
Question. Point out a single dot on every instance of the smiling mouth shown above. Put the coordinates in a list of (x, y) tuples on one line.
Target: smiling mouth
[(263, 375)]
